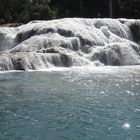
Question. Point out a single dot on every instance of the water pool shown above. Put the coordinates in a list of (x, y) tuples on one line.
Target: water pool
[(71, 104)]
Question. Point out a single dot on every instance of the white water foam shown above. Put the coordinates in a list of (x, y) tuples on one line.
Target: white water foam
[(69, 42)]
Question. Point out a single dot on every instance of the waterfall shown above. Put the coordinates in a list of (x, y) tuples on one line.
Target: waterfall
[(70, 42)]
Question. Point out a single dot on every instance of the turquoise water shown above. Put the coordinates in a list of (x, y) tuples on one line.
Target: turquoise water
[(71, 104)]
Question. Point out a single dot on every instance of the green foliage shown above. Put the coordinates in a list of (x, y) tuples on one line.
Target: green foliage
[(6, 10), (130, 8), (26, 10)]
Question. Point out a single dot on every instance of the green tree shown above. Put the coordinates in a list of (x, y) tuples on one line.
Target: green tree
[(6, 10), (130, 8)]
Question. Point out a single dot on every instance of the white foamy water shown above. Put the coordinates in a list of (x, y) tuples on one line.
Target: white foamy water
[(68, 42)]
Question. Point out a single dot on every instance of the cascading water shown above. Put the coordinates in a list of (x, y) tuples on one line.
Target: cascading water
[(70, 42)]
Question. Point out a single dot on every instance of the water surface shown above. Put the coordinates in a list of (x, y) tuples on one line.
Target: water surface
[(71, 104)]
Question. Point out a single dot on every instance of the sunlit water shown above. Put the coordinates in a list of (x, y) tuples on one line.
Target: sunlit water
[(71, 104)]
